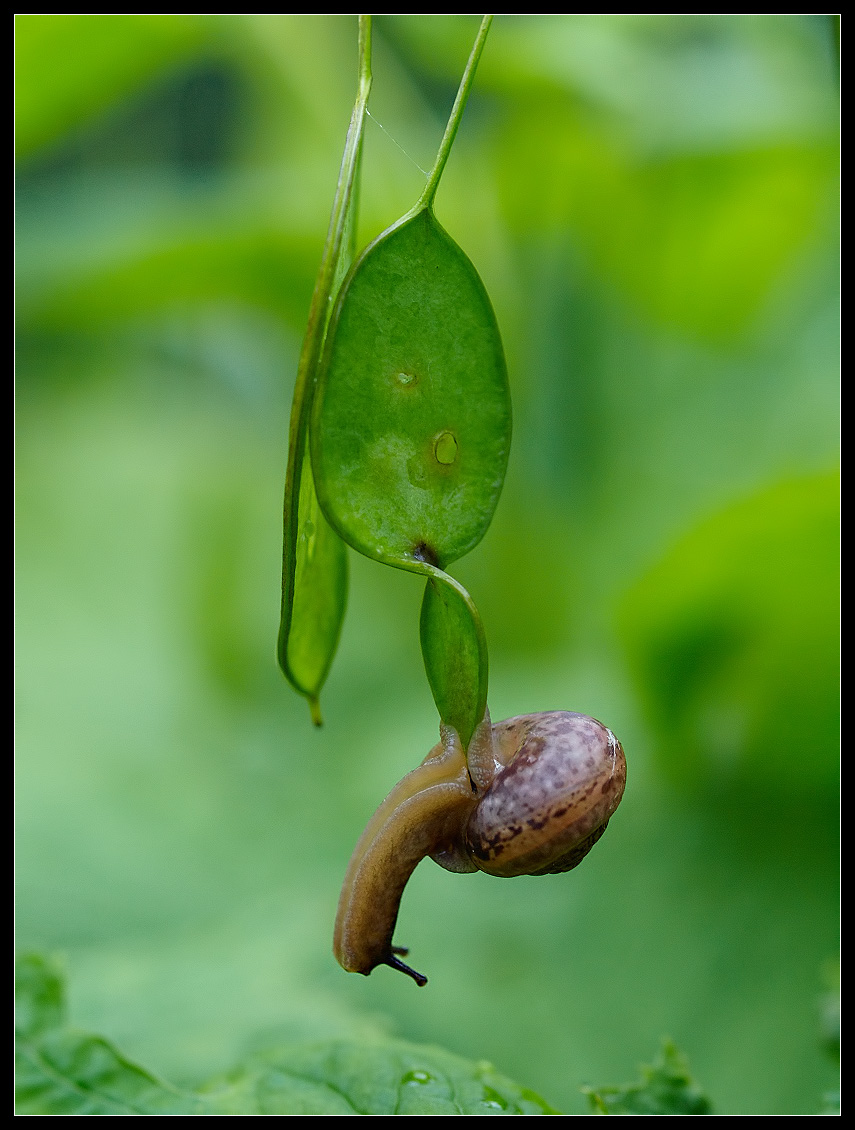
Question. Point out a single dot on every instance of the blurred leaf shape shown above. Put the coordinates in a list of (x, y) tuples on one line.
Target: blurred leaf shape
[(59, 1071), (70, 66), (137, 250), (64, 1072), (700, 240), (666, 1087), (669, 80), (39, 995), (733, 642), (697, 240)]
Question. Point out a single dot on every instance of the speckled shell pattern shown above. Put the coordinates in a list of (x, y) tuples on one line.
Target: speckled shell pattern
[(563, 777)]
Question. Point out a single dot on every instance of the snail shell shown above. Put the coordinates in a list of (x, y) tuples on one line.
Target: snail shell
[(531, 797), (561, 779)]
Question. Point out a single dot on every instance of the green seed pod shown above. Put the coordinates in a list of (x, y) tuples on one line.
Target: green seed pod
[(455, 654), (314, 560), (411, 425)]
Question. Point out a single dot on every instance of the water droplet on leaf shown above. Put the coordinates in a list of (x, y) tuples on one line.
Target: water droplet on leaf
[(494, 1099), (416, 1077)]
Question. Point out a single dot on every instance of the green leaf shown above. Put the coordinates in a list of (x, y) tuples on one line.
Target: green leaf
[(665, 1088), (412, 419), (71, 1074), (314, 563), (455, 654), (39, 998), (389, 1077), (63, 1072)]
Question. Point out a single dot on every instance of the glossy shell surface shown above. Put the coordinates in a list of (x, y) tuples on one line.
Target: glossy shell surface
[(563, 776)]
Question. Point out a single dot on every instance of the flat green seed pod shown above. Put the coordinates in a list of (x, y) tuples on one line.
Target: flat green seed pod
[(412, 419), (455, 654), (309, 636), (314, 559)]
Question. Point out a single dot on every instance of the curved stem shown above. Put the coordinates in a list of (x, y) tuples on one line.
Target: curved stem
[(427, 197), (433, 572)]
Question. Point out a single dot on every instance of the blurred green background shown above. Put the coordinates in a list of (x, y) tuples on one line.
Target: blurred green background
[(651, 201)]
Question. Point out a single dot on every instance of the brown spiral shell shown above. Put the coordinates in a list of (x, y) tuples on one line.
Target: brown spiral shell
[(563, 777)]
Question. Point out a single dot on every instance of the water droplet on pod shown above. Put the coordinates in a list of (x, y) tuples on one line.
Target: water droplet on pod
[(445, 448)]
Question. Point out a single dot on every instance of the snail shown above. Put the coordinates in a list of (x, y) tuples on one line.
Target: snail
[(530, 796)]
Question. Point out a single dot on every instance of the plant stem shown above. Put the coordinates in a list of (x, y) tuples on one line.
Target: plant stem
[(344, 188), (427, 197)]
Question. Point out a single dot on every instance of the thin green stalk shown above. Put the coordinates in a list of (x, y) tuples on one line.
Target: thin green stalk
[(427, 197), (318, 310)]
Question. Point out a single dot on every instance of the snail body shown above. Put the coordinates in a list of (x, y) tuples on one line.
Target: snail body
[(531, 796)]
